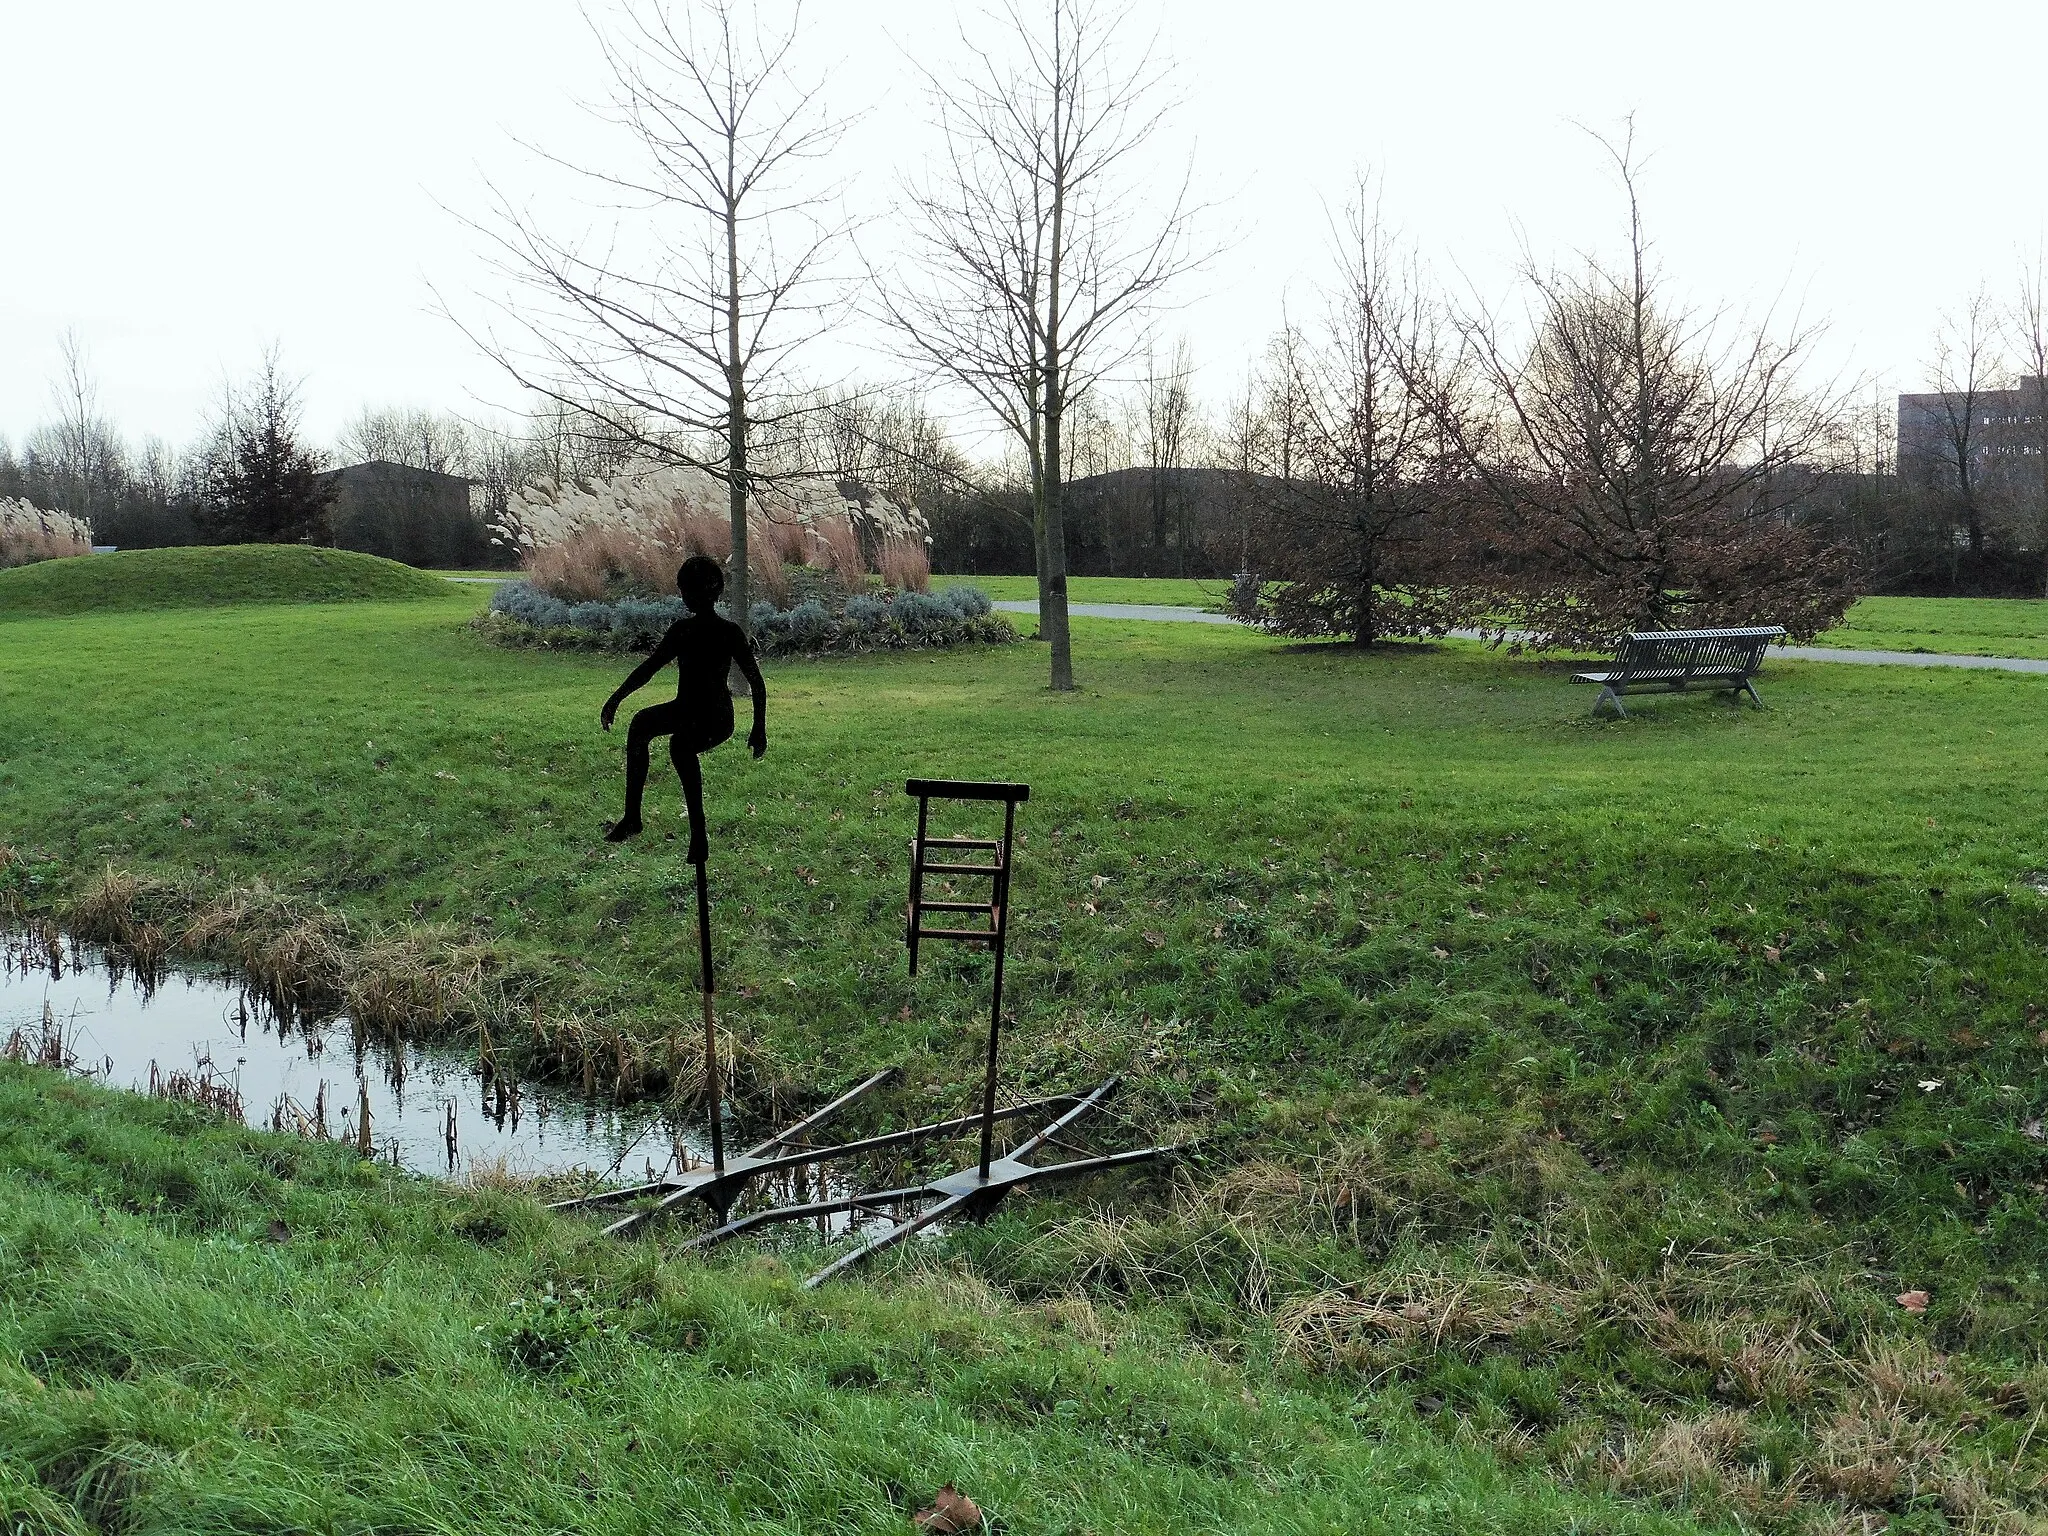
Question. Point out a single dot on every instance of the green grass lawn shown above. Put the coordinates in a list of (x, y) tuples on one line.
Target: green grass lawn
[(1564, 1085), (1168, 590), (1970, 626)]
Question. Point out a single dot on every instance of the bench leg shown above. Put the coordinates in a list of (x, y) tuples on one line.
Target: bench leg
[(1750, 688), (1609, 696)]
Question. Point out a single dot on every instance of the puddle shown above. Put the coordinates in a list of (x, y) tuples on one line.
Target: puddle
[(430, 1110)]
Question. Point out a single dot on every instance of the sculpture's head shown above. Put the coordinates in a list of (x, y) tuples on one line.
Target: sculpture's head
[(701, 582)]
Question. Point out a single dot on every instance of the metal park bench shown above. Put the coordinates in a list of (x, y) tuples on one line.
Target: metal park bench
[(1677, 659)]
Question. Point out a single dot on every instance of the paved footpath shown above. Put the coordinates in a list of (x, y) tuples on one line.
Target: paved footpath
[(1171, 615)]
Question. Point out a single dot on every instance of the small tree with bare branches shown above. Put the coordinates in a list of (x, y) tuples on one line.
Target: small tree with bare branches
[(1965, 369), (2027, 335), (1634, 464), (1357, 532), (1166, 417), (1031, 262), (676, 330)]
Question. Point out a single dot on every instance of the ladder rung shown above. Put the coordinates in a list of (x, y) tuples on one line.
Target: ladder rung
[(963, 842), (958, 906), (985, 935), (961, 869)]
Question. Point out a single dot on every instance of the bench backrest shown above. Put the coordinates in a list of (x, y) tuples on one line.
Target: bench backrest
[(1696, 650)]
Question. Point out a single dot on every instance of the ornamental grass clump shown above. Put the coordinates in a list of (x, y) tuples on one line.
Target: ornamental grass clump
[(625, 537), (28, 534)]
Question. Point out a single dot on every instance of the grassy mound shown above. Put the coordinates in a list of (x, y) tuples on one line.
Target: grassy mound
[(204, 577)]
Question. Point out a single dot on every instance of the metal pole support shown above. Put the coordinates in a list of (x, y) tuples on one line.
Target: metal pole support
[(714, 1080)]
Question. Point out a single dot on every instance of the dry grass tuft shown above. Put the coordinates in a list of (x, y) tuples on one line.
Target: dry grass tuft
[(105, 912), (1709, 1459), (1434, 1311), (904, 563), (43, 1044), (1109, 1251), (497, 1174), (953, 1287), (1080, 1317), (598, 561), (835, 549), (1875, 1454)]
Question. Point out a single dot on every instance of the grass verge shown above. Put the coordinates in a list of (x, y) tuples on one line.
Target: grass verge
[(205, 1329), (1968, 626)]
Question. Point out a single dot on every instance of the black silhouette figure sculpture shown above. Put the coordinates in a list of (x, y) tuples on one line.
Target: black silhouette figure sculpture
[(704, 648)]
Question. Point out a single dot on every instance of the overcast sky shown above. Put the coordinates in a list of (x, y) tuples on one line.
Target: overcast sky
[(185, 182)]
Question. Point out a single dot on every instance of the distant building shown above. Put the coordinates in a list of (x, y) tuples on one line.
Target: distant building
[(420, 516), (2002, 431)]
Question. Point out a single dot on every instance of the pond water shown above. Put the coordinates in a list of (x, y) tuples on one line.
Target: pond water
[(430, 1108)]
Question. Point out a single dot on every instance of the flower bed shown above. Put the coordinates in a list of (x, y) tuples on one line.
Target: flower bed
[(522, 614)]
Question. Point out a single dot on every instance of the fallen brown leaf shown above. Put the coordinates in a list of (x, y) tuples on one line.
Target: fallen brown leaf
[(1425, 1139), (1156, 940), (1913, 1301), (1773, 954), (951, 1514)]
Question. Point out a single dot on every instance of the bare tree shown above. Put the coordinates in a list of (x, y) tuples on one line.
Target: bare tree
[(417, 439), (79, 455), (1034, 253), (1643, 464), (892, 445), (1355, 534), (1167, 412), (676, 331), (1965, 369), (2027, 335)]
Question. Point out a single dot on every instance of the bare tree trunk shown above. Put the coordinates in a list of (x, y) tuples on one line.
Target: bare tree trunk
[(736, 483), (1029, 284), (1052, 607), (1368, 630)]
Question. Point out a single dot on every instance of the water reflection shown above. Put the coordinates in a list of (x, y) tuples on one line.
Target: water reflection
[(200, 1034)]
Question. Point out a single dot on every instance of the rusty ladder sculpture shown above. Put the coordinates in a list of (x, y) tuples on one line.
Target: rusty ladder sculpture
[(722, 1181), (972, 1193)]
